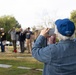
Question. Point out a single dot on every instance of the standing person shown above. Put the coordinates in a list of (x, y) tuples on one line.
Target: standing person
[(29, 39), (13, 38), (3, 40), (59, 58), (36, 34), (21, 40)]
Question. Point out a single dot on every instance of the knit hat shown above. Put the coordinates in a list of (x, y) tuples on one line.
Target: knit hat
[(65, 27)]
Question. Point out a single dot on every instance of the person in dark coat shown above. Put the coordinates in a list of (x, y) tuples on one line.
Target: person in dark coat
[(3, 40), (21, 39)]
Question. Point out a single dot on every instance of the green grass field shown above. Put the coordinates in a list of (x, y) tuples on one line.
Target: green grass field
[(17, 60)]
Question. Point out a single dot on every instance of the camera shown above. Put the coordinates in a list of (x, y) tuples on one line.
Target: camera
[(51, 31)]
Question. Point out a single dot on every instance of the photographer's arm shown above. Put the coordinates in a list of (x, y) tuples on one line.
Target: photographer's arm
[(40, 51)]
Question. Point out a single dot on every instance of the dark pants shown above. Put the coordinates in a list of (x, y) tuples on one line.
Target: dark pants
[(2, 47), (22, 46), (14, 44)]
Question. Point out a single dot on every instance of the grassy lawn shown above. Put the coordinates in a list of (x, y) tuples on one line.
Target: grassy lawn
[(17, 60)]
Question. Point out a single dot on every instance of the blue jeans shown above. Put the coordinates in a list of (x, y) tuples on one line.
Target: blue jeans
[(2, 47)]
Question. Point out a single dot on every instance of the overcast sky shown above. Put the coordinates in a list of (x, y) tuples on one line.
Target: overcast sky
[(32, 12)]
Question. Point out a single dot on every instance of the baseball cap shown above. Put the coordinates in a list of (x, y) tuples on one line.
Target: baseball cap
[(65, 27)]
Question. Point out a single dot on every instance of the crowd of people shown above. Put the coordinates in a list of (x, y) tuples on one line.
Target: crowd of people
[(25, 37)]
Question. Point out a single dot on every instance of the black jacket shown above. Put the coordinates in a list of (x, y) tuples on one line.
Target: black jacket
[(3, 36), (21, 36)]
